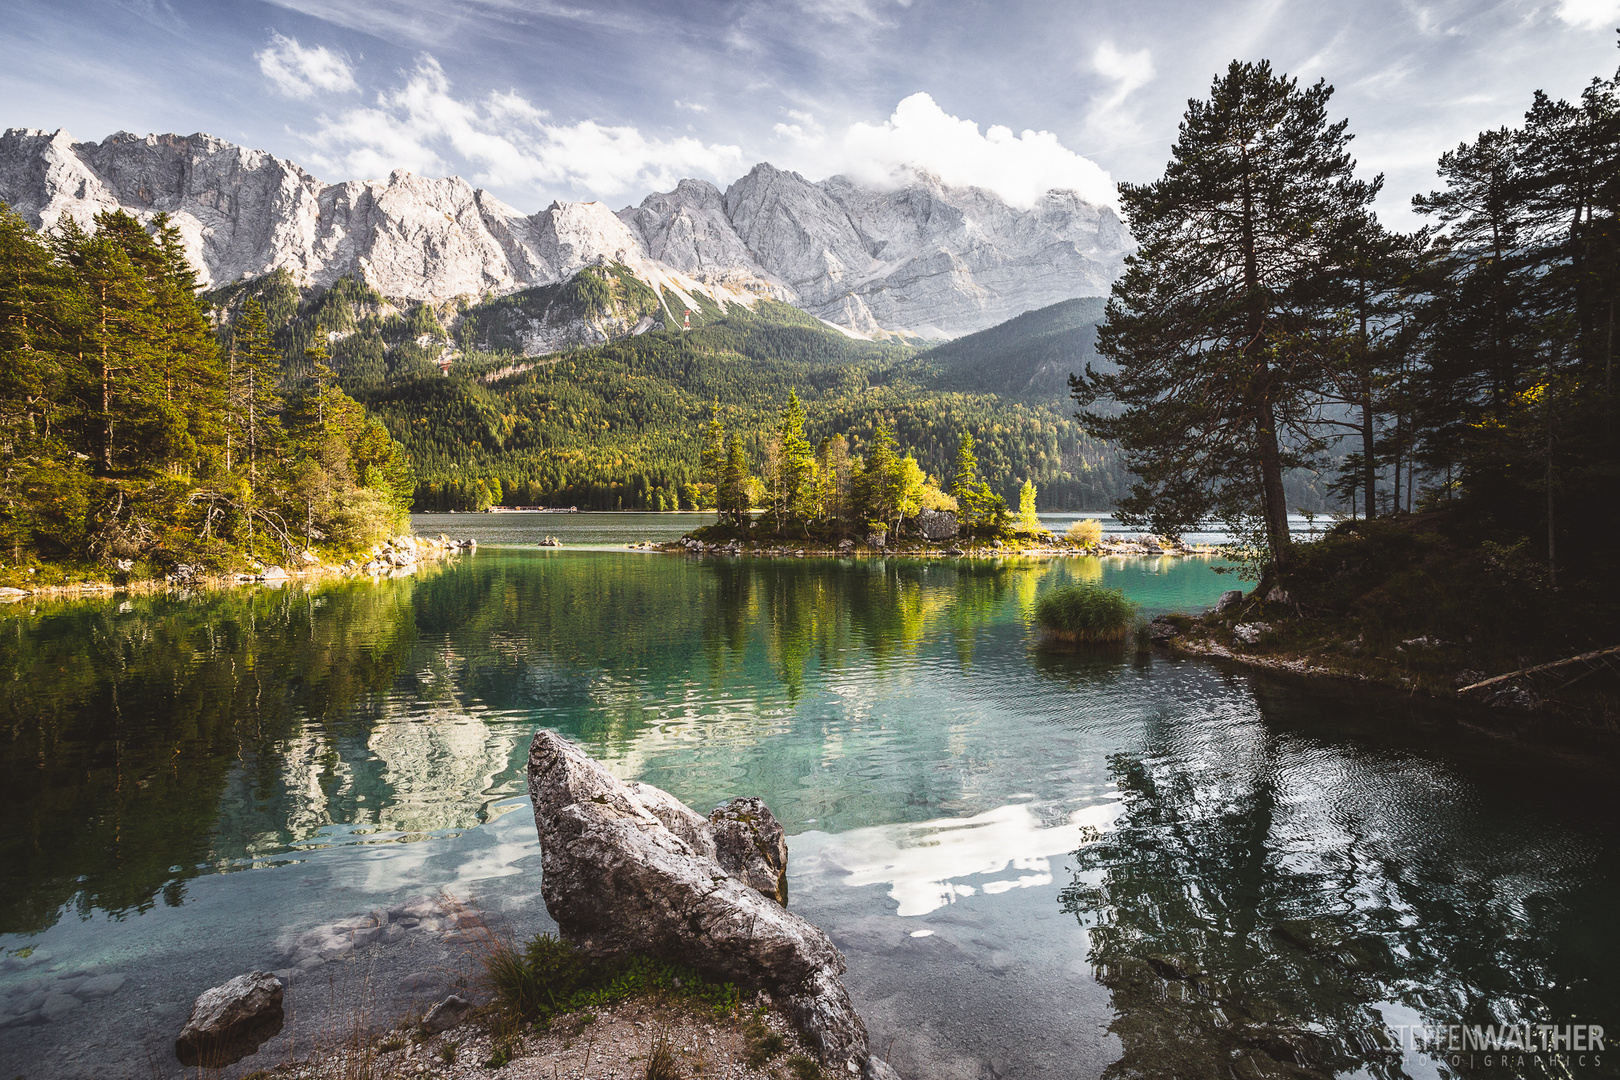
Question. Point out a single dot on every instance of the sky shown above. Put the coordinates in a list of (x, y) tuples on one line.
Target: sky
[(538, 100)]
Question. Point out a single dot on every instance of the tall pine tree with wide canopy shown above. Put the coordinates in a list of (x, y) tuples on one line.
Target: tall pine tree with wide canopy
[(1216, 325)]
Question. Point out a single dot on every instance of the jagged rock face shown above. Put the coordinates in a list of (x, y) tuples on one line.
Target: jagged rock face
[(937, 524), (752, 846), (961, 259), (924, 258), (618, 876), (244, 213), (688, 229)]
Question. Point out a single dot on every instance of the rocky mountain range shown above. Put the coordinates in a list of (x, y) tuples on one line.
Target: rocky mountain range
[(924, 259)]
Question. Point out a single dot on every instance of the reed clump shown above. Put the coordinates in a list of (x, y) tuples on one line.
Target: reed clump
[(1085, 613)]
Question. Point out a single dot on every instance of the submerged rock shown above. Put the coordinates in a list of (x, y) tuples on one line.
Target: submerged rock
[(618, 878), (231, 1021)]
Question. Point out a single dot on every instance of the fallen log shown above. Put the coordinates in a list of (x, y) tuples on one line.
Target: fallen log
[(1598, 655)]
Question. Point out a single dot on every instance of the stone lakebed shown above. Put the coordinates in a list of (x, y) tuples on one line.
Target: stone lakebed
[(55, 994)]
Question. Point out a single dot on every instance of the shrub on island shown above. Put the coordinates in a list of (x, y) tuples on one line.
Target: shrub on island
[(1086, 532)]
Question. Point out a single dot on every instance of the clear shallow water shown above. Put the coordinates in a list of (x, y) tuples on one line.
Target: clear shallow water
[(1038, 865)]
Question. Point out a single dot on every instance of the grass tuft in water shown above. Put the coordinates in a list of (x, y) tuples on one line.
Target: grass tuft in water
[(1085, 613)]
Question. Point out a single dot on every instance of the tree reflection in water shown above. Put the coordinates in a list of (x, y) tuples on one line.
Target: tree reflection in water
[(1270, 900)]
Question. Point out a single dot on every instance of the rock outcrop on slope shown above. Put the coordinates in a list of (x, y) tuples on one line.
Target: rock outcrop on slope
[(628, 868), (925, 258)]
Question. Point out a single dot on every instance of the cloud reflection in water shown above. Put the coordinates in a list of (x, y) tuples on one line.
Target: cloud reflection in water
[(925, 863)]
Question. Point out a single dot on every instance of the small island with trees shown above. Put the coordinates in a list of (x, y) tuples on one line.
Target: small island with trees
[(826, 498)]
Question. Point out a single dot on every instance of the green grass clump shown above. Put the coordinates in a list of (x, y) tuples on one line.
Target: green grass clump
[(1077, 613), (763, 1043), (804, 1068), (550, 978)]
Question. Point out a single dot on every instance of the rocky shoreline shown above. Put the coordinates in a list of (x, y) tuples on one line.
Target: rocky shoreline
[(628, 872), (392, 558), (1262, 632)]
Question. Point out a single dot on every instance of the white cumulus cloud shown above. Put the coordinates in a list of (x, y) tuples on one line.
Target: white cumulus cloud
[(1590, 14), (302, 73), (922, 136), (509, 143)]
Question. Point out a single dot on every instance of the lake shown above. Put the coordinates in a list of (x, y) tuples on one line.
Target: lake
[(1038, 865)]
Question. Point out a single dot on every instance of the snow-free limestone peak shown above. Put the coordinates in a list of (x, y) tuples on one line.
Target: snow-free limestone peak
[(924, 258)]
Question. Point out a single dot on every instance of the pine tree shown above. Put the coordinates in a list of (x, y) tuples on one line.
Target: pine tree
[(712, 459), (965, 484), (194, 384), (1215, 324), (833, 478), (115, 337), (797, 465), (875, 487), (735, 484), (254, 398), (33, 298), (1374, 283)]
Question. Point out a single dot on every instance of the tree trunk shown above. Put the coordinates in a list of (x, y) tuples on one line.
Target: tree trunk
[(1369, 468), (1265, 424), (1276, 501)]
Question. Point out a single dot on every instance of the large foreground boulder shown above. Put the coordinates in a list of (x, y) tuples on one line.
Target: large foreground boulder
[(629, 868), (231, 1021)]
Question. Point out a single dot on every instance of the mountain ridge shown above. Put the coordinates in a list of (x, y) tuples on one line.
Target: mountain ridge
[(925, 259)]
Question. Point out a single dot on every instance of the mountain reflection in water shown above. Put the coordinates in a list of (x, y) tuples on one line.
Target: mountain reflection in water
[(1038, 864)]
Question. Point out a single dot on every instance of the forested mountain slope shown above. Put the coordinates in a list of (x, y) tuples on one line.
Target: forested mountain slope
[(1027, 358), (614, 423), (617, 426)]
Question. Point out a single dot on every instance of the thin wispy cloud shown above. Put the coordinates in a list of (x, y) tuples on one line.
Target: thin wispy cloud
[(1113, 119), (508, 141)]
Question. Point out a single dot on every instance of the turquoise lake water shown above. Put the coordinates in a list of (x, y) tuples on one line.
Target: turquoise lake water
[(1037, 864)]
